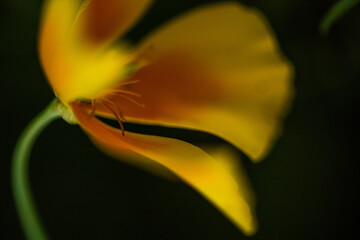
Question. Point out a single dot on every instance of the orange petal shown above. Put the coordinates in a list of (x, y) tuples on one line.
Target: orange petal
[(56, 23), (217, 178), (73, 70), (101, 21), (217, 69)]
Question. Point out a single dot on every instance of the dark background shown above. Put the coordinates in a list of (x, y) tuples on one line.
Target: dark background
[(306, 188)]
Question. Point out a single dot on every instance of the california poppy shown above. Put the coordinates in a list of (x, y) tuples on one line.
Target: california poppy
[(216, 69)]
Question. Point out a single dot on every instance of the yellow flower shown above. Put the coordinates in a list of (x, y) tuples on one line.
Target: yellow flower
[(215, 69)]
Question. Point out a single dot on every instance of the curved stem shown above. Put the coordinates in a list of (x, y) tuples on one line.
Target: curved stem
[(335, 13), (29, 219)]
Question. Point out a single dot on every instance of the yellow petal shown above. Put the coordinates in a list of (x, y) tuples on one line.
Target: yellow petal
[(73, 70), (217, 69), (217, 178), (102, 21), (56, 23)]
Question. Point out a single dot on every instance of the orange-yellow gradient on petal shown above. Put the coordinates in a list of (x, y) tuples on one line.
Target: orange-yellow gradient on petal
[(216, 69), (78, 60), (101, 21), (217, 178)]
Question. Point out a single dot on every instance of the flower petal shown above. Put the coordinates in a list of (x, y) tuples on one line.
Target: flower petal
[(73, 70), (217, 179), (217, 69), (101, 21), (56, 23)]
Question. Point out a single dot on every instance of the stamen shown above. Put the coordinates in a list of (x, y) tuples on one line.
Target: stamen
[(116, 115), (127, 92), (93, 101), (126, 83), (131, 100), (108, 102), (113, 105)]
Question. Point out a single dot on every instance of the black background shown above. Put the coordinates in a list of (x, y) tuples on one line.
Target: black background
[(306, 188)]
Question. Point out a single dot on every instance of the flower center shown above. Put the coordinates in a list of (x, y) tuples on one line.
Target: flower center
[(109, 99)]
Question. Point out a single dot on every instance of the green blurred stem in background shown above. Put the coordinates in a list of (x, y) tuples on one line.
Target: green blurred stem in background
[(335, 13), (20, 180)]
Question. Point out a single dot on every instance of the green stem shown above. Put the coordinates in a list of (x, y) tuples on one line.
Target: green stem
[(30, 221), (335, 13)]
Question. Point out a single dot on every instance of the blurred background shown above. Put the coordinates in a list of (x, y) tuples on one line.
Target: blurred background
[(306, 187)]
